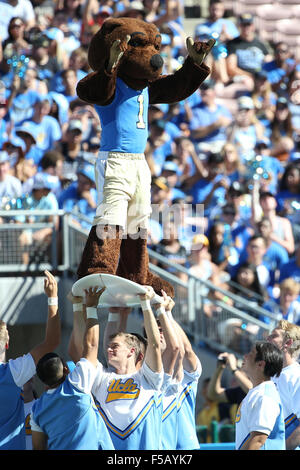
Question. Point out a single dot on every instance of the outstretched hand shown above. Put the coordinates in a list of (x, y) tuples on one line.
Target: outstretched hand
[(92, 296), (199, 50), (149, 294), (50, 285)]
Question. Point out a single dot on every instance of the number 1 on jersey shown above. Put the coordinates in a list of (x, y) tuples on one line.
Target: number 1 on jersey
[(141, 123)]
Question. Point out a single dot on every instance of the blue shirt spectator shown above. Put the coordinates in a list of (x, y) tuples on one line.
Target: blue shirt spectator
[(81, 196), (45, 128), (10, 186), (211, 190), (209, 120), (291, 268), (280, 67), (224, 28)]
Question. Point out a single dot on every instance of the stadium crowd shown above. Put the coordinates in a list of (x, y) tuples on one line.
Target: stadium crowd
[(230, 152)]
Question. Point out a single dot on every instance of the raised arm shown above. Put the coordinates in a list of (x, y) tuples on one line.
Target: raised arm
[(153, 352), (215, 391), (190, 359), (170, 354), (91, 336), (76, 340), (53, 325), (187, 79)]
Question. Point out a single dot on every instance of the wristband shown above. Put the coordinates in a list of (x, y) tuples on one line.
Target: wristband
[(77, 307), (52, 300), (145, 304), (234, 371), (113, 317), (91, 312)]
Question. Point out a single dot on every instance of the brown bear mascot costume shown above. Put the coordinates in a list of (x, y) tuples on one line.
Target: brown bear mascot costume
[(126, 78)]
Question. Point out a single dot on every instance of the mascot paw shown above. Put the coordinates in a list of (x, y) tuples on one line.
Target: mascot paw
[(199, 50), (116, 51)]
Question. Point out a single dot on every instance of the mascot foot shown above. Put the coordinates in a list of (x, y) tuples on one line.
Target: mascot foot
[(160, 284), (133, 265), (101, 252)]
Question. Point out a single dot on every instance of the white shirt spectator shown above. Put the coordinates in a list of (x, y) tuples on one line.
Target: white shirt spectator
[(23, 9)]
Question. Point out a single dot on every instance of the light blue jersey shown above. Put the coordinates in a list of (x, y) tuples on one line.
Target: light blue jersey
[(169, 414), (13, 375), (12, 418), (124, 122), (261, 411), (69, 417), (186, 405)]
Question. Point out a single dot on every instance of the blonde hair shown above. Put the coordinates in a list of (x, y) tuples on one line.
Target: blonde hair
[(231, 146), (3, 335), (291, 331), (291, 285)]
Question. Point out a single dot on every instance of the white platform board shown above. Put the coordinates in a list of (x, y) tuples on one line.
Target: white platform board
[(119, 292)]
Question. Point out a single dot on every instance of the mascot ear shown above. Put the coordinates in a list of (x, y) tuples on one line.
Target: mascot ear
[(100, 39), (109, 25)]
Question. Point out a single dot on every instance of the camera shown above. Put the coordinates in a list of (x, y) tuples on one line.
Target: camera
[(222, 360)]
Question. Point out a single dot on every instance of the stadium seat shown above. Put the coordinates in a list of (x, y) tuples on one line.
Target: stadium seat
[(296, 11), (250, 6), (287, 30), (227, 433), (267, 17), (289, 2), (201, 433), (289, 26)]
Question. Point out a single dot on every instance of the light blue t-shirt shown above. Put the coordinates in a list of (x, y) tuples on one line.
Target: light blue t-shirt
[(70, 419), (13, 375), (202, 117)]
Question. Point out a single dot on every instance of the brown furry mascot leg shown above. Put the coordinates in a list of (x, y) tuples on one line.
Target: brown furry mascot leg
[(101, 251), (133, 265)]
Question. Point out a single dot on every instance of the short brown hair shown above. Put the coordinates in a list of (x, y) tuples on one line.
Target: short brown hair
[(132, 341)]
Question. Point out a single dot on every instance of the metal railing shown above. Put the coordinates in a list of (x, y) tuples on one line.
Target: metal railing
[(228, 326), (205, 318), (35, 255)]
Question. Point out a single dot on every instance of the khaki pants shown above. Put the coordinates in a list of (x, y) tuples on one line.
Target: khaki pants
[(123, 182)]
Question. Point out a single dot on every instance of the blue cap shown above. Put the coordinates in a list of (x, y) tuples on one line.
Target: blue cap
[(45, 97), (45, 181), (203, 31), (17, 142), (27, 127), (87, 170), (170, 166)]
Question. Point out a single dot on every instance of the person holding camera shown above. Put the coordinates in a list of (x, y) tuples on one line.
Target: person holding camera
[(233, 394)]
